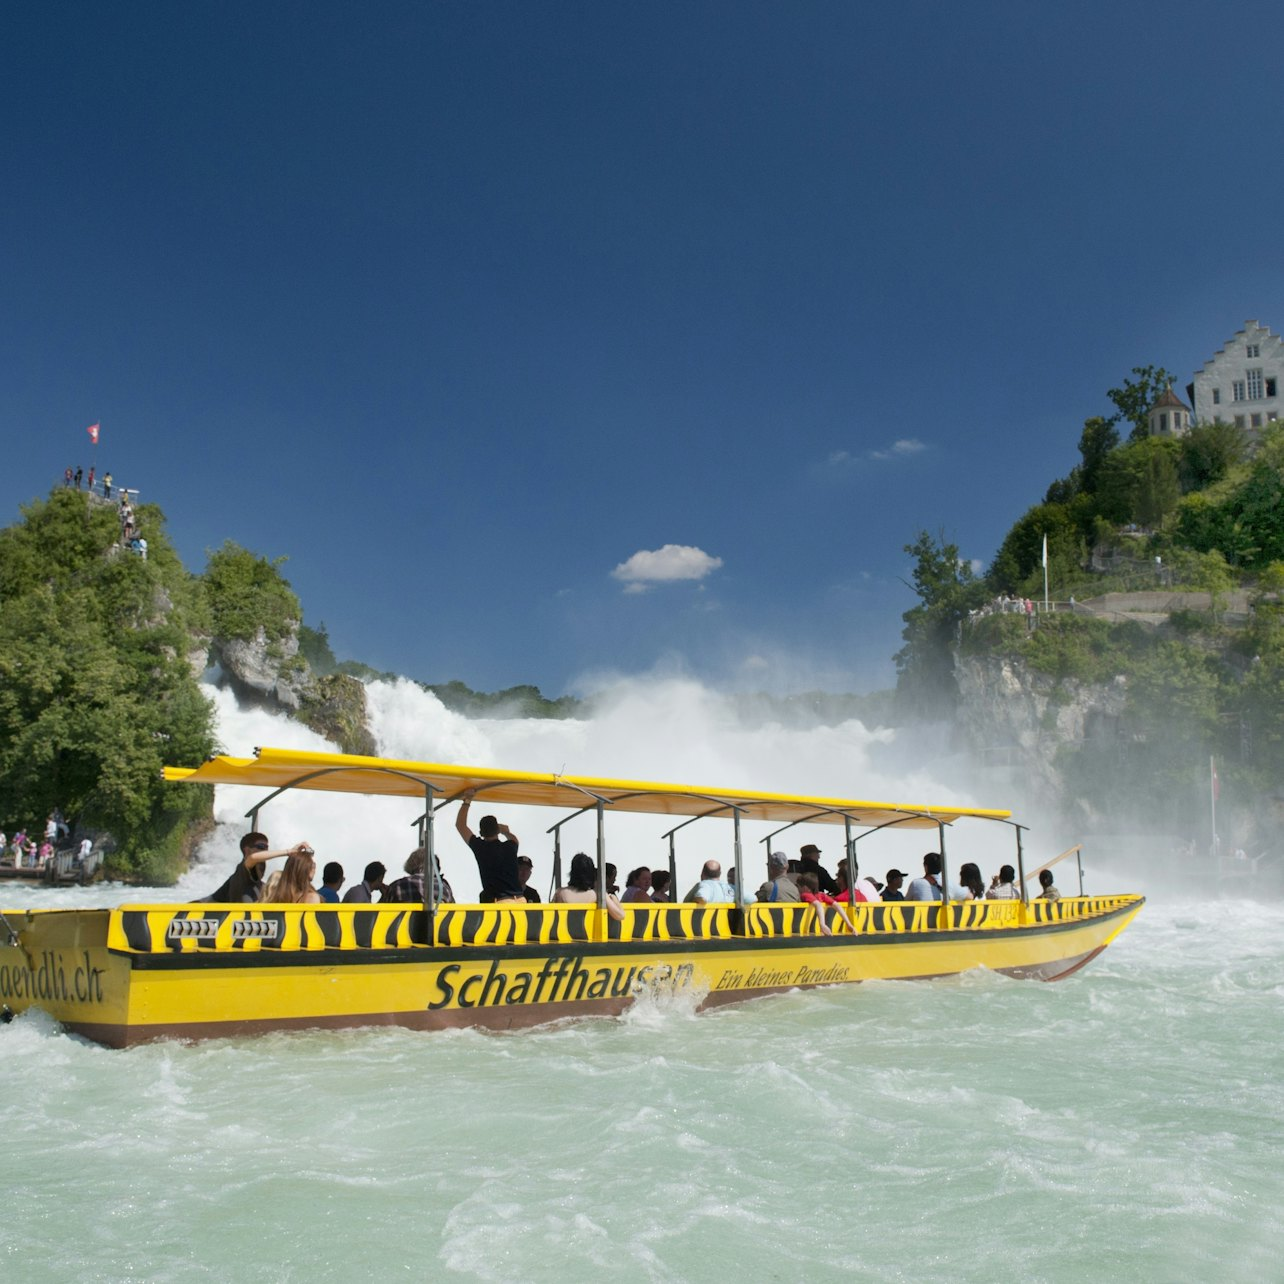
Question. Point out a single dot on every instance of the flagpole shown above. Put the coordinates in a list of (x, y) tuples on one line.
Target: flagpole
[(1045, 573)]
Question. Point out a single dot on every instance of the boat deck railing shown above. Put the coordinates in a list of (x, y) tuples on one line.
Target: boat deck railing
[(205, 928)]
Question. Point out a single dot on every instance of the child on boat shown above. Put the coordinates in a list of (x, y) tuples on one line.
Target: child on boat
[(809, 891)]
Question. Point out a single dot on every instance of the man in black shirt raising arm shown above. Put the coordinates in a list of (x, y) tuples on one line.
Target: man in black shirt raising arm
[(496, 856)]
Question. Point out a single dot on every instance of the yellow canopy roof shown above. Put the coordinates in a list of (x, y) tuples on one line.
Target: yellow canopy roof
[(274, 769)]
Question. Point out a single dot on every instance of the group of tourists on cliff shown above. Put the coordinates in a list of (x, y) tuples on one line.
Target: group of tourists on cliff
[(505, 875), (130, 537)]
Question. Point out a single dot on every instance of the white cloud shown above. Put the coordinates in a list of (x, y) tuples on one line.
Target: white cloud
[(904, 446), (665, 565), (899, 449)]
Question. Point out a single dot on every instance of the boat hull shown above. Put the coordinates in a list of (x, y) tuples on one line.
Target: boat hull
[(141, 973)]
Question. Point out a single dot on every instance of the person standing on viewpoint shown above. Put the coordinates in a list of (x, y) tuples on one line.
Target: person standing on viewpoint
[(496, 856)]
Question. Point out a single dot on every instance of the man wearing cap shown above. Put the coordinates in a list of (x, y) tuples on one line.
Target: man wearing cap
[(779, 886), (246, 880), (496, 857), (809, 863), (892, 892), (526, 867)]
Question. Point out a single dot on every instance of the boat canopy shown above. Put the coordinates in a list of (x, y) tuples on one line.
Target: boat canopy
[(279, 769)]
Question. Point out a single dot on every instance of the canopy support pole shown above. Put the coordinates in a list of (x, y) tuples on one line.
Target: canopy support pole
[(601, 855), (853, 869), (944, 920), (430, 867), (1020, 862), (673, 869), (740, 873), (557, 859)]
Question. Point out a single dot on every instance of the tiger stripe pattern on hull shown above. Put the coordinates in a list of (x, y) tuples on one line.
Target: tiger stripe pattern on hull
[(202, 929)]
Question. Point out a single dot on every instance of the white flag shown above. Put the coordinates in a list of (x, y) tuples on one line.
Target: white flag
[(1045, 552)]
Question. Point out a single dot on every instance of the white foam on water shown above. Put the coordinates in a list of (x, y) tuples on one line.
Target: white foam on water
[(1123, 1123)]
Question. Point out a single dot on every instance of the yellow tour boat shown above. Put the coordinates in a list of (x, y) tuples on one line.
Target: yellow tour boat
[(143, 972)]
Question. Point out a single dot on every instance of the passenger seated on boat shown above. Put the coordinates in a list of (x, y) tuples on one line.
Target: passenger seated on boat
[(371, 882), (809, 891), (410, 890), (779, 885), (1003, 885), (246, 880), (525, 868), (927, 888), (970, 877), (1049, 892), (637, 886), (660, 886), (294, 887), (581, 887), (892, 888), (866, 890), (809, 863), (496, 857), (712, 889), (331, 881)]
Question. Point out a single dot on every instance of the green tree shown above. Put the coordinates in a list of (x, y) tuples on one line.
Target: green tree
[(1018, 565), (1244, 522), (947, 589), (96, 694), (314, 647), (1135, 397), (246, 592), (1096, 442), (1130, 480), (1157, 490), (1209, 452)]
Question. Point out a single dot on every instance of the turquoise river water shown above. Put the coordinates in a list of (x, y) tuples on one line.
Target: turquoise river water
[(1123, 1124)]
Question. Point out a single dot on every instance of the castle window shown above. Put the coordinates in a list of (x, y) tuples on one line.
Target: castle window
[(1239, 421), (1237, 391), (1163, 422), (1253, 351), (1254, 385), (1270, 387), (1257, 421), (1217, 396)]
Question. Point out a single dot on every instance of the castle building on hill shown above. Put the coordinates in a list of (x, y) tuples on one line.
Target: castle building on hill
[(1241, 383), (1169, 416)]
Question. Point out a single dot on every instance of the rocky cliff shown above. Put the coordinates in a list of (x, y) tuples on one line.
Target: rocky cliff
[(272, 673), (1011, 716)]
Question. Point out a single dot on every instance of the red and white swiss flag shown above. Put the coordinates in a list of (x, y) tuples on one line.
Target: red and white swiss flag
[(92, 430)]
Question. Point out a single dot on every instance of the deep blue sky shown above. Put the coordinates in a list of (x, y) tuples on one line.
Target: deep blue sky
[(461, 306)]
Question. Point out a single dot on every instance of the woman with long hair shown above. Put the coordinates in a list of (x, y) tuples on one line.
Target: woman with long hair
[(295, 884), (970, 877), (581, 887)]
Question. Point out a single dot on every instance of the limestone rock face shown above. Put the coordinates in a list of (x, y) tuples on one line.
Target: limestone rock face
[(336, 707), (198, 656), (274, 674), (270, 672), (1005, 709)]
